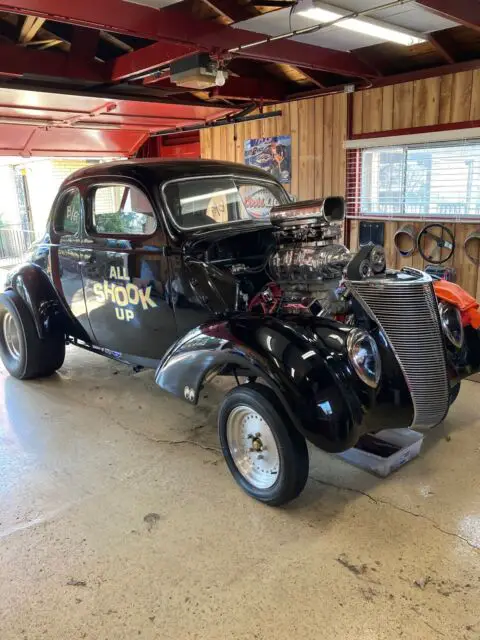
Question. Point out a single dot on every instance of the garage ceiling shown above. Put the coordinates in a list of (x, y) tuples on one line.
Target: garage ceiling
[(116, 51)]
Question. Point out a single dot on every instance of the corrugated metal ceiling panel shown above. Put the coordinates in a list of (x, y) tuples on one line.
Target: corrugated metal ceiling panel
[(410, 16), (278, 22), (407, 16)]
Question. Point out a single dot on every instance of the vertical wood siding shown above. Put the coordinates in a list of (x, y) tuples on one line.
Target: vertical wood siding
[(318, 127)]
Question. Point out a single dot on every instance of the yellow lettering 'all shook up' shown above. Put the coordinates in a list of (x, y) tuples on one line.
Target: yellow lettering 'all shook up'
[(123, 296)]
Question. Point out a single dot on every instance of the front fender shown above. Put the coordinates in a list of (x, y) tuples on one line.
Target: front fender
[(32, 284), (303, 361)]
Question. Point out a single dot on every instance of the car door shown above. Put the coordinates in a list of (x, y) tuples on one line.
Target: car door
[(64, 263), (126, 272)]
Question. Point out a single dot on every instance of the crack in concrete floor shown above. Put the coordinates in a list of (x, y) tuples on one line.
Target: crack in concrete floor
[(338, 487), (399, 508)]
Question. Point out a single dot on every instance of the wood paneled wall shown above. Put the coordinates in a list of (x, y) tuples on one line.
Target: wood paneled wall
[(445, 100), (318, 128), (467, 272)]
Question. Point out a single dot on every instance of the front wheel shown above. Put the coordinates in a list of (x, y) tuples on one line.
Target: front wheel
[(265, 454)]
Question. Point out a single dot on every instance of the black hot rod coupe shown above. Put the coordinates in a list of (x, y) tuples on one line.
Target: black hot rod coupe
[(202, 268)]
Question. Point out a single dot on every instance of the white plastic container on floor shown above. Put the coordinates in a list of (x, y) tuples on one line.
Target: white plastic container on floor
[(409, 441)]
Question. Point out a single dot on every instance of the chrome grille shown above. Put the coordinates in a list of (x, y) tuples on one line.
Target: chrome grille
[(405, 307)]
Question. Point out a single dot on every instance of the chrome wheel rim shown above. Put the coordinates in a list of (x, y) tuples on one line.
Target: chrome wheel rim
[(11, 335), (253, 447)]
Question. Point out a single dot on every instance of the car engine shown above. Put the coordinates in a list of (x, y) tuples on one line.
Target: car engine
[(307, 266)]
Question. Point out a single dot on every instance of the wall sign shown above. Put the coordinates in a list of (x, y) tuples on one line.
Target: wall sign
[(271, 154)]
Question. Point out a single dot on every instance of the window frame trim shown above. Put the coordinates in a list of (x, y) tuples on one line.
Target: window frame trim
[(58, 204), (88, 215)]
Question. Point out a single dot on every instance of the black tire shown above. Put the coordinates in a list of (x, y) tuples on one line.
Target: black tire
[(292, 449), (36, 357), (454, 391)]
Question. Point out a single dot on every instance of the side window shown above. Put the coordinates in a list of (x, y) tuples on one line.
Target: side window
[(68, 214), (121, 209)]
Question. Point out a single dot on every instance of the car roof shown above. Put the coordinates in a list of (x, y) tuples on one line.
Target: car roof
[(161, 170)]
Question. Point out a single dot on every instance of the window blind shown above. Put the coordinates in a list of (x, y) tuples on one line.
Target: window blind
[(432, 180)]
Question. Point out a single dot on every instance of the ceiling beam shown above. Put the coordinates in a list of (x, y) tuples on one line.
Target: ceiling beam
[(116, 42), (466, 12), (129, 65), (304, 55), (383, 81), (232, 10), (285, 51), (10, 29), (84, 42), (30, 26), (20, 61), (315, 77), (438, 42), (238, 88), (181, 27), (48, 44)]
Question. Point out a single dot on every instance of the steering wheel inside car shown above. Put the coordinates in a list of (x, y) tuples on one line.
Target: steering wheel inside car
[(432, 239)]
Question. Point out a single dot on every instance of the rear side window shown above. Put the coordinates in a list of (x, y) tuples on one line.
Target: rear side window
[(120, 209), (68, 214)]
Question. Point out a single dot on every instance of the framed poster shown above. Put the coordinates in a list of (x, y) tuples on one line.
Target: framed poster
[(271, 154)]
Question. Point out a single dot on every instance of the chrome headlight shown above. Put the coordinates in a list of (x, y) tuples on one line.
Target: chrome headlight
[(364, 356), (452, 326)]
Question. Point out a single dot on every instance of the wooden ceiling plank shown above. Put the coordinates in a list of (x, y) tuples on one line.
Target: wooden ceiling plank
[(30, 27)]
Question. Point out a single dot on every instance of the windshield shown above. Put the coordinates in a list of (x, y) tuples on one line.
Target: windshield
[(206, 201)]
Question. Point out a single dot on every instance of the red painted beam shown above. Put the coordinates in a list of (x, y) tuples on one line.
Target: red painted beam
[(143, 60), (303, 55), (179, 26), (20, 61), (451, 126), (285, 51), (243, 88), (84, 42), (110, 15), (466, 12)]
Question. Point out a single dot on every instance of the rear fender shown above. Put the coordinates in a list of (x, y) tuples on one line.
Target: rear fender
[(32, 284), (305, 366)]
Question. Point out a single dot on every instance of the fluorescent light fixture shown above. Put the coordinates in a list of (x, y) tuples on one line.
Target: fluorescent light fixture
[(366, 26)]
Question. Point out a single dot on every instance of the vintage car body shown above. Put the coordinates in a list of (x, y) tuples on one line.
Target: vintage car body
[(342, 345)]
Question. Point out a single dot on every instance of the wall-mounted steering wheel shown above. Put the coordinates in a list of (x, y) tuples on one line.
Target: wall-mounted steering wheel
[(432, 239)]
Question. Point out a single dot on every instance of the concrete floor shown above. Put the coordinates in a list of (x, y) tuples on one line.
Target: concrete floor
[(118, 519)]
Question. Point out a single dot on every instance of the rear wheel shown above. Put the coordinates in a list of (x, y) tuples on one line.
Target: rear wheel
[(265, 454), (23, 353)]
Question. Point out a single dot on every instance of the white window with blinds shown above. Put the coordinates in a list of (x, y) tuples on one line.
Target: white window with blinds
[(434, 179)]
